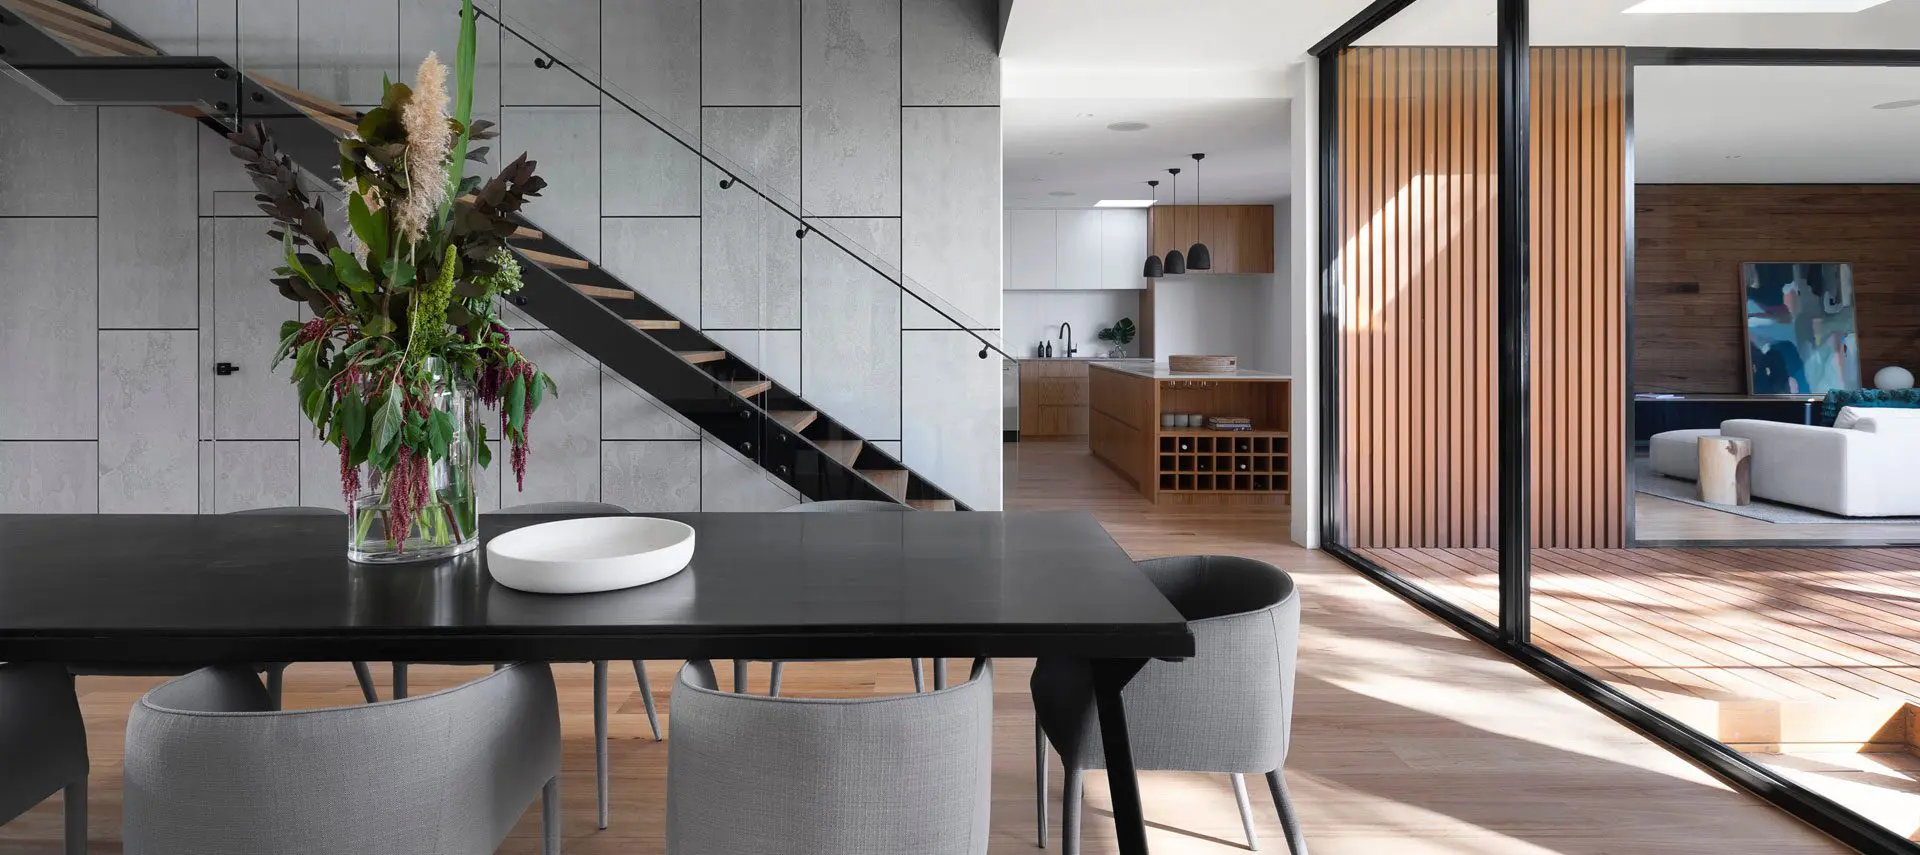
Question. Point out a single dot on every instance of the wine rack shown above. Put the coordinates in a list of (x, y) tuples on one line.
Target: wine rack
[(1207, 461)]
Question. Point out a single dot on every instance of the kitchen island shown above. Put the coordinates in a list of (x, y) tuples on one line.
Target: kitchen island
[(1053, 396), (1192, 465)]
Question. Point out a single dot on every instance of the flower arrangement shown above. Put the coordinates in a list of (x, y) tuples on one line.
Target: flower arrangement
[(404, 306)]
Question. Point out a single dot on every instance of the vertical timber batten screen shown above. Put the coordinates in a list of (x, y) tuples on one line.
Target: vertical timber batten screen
[(1418, 283)]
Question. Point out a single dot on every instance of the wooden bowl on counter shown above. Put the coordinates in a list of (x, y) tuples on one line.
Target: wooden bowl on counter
[(1182, 364)]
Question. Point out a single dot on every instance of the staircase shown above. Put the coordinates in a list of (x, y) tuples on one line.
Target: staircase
[(74, 55)]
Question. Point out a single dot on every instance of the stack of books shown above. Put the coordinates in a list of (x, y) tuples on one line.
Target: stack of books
[(1229, 423)]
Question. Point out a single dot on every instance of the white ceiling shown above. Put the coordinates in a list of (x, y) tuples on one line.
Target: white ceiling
[(1211, 75), (1207, 75), (1058, 145), (1133, 48), (1775, 125), (1895, 24)]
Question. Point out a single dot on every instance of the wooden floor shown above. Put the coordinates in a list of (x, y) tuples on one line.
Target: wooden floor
[(1657, 518), (1719, 624), (1408, 738)]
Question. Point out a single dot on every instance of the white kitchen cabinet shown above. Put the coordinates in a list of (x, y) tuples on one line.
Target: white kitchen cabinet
[(1078, 253), (1123, 248), (1032, 252)]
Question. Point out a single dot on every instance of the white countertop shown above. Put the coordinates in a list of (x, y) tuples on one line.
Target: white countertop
[(1159, 371)]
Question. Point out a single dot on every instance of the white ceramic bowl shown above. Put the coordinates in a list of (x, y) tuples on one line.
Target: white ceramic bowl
[(580, 556)]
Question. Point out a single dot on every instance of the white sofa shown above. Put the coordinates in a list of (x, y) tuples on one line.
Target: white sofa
[(1871, 470), (1676, 453)]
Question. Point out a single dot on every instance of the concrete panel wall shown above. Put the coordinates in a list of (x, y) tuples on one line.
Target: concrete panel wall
[(134, 259)]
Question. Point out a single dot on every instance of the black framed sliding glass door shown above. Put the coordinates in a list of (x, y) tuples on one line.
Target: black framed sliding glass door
[(1486, 300)]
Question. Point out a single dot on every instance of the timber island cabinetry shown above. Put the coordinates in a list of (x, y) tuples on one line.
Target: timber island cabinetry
[(1189, 465)]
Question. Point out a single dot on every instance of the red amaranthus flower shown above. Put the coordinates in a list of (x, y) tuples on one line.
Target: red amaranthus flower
[(311, 330)]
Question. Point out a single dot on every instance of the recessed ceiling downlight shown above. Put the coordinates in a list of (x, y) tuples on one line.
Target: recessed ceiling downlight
[(1061, 193), (1128, 126), (1898, 105)]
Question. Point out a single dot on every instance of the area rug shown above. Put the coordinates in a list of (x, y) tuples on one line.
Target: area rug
[(1645, 480)]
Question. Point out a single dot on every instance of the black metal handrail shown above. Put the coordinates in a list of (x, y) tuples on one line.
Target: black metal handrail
[(551, 58)]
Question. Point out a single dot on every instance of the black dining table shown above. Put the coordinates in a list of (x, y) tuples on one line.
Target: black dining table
[(193, 590)]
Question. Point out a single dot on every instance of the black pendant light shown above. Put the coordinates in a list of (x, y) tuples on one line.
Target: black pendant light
[(1176, 263), (1198, 256), (1153, 270)]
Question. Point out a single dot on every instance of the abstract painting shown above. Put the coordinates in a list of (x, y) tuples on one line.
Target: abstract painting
[(1801, 338)]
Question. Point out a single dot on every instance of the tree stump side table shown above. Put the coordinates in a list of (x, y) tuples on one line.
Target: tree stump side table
[(1724, 465)]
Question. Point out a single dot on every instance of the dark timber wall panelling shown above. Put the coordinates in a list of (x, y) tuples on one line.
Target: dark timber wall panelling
[(1418, 276), (1690, 240)]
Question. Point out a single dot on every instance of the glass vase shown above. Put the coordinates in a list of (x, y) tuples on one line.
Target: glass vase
[(447, 522)]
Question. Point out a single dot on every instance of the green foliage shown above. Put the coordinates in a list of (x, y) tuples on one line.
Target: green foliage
[(430, 305), (505, 279), (370, 226), (396, 322), (1121, 333)]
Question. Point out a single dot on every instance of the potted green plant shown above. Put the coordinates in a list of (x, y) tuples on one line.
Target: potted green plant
[(1121, 334), (405, 339)]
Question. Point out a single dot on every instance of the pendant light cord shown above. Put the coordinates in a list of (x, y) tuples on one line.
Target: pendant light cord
[(1176, 208)]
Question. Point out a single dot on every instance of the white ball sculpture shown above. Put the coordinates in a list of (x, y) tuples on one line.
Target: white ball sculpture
[(1893, 377)]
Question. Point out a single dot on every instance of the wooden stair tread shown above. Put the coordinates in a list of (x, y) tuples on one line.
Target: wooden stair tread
[(749, 388), (335, 123), (55, 7), (548, 259), (604, 293), (698, 356), (527, 232), (653, 324), (80, 35), (796, 420), (844, 450), (892, 481), (931, 504), (307, 100)]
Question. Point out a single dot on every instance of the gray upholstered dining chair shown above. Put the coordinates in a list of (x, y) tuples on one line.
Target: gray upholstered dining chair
[(599, 666), (275, 671), (1228, 709), (839, 506), (211, 769), (44, 743), (773, 776)]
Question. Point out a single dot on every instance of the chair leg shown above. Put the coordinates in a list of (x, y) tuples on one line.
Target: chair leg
[(365, 675), (773, 682), (1040, 782), (939, 673), (399, 680), (1289, 821), (646, 697), (600, 735), (74, 802), (739, 676), (550, 817), (919, 677), (1070, 805), (276, 681), (1246, 809)]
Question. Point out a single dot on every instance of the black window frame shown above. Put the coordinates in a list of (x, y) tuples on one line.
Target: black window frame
[(1511, 636)]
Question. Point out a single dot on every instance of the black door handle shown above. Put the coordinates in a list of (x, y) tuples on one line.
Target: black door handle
[(225, 368)]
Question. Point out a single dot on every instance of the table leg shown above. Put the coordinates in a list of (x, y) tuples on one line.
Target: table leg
[(1109, 677)]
